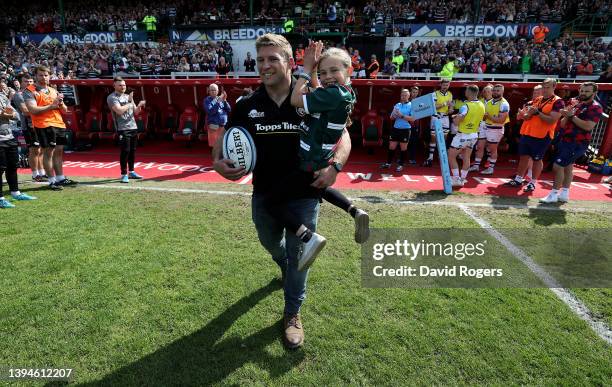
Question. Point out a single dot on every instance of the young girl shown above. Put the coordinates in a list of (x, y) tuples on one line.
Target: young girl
[(327, 111)]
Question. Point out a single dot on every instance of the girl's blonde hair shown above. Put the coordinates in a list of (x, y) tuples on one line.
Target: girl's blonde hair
[(337, 53), (345, 59)]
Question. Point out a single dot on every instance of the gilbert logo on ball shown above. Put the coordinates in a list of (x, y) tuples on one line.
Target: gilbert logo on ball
[(238, 146)]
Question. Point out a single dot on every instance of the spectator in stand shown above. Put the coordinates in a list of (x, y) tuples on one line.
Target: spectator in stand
[(398, 60), (92, 70), (584, 68), (361, 69), (404, 51), (249, 63), (373, 67), (606, 76), (539, 33), (568, 70), (450, 69), (389, 68), (299, 57), (526, 62), (355, 59), (217, 110), (223, 67)]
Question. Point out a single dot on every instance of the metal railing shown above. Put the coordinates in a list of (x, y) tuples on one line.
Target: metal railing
[(597, 134), (426, 76), (494, 77)]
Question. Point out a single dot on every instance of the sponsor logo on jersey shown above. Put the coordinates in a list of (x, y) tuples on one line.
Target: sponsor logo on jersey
[(276, 127), (255, 114)]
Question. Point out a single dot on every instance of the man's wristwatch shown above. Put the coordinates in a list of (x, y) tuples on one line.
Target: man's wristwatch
[(337, 166)]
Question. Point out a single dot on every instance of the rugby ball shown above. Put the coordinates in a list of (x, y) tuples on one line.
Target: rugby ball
[(238, 146)]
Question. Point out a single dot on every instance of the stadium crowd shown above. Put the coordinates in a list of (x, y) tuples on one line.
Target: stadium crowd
[(563, 57), (94, 60), (89, 15)]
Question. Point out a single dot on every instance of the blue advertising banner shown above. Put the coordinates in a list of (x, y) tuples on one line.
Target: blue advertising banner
[(476, 30), (91, 37), (203, 35)]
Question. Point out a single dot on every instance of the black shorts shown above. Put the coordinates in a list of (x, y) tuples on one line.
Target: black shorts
[(400, 135), (51, 136), (533, 147), (9, 158), (31, 137), (569, 152)]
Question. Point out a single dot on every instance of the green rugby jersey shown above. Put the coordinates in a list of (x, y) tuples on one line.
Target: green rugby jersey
[(327, 110)]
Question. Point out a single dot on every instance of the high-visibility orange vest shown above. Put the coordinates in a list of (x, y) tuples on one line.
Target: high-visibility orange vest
[(373, 73), (299, 57), (50, 117), (355, 62), (539, 33), (535, 126)]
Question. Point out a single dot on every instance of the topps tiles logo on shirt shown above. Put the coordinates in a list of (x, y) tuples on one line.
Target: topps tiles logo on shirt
[(284, 126)]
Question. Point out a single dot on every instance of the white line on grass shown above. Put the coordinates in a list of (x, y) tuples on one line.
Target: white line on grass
[(375, 199), (569, 299), (182, 190), (565, 295)]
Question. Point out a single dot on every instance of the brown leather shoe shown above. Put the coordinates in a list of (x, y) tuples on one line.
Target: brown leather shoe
[(294, 331)]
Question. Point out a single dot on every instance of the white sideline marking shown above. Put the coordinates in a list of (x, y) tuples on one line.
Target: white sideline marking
[(246, 179), (575, 305), (182, 190), (363, 199), (566, 296)]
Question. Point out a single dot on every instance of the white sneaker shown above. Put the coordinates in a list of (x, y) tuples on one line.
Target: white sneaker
[(564, 196), (362, 226), (488, 171), (474, 168), (551, 198), (457, 181), (310, 250)]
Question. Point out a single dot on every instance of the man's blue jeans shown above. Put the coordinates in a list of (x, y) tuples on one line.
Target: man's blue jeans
[(285, 247)]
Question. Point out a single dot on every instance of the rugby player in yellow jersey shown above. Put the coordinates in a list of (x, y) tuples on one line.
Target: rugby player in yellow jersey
[(486, 95), (468, 120), (444, 106), (497, 112)]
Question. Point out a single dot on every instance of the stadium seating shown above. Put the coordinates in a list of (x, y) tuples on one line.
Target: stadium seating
[(169, 122), (142, 122), (187, 127), (372, 129), (110, 133), (92, 127)]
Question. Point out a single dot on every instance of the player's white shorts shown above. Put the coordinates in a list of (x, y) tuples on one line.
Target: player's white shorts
[(494, 135), (482, 130), (464, 140), (443, 119)]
